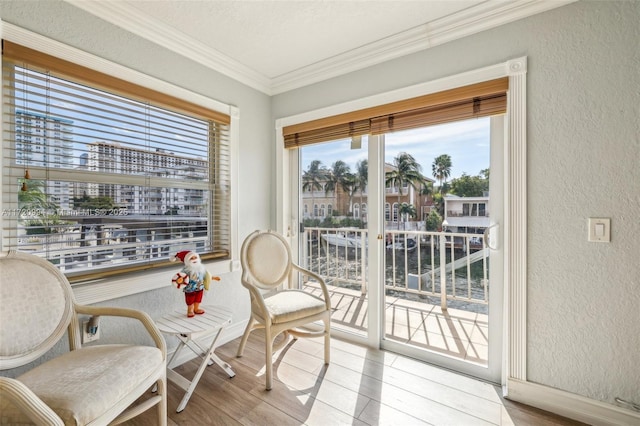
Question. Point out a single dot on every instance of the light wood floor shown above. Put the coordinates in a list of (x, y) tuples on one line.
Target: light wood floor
[(456, 333), (360, 387)]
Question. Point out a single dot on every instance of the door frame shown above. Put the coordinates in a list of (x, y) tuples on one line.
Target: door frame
[(514, 231)]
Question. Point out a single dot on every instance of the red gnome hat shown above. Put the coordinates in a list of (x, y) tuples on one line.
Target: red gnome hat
[(182, 255)]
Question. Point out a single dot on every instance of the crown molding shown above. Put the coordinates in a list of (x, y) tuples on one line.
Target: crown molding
[(132, 20), (481, 17), (60, 50)]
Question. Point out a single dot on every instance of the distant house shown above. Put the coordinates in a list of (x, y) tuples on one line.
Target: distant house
[(320, 203), (466, 214)]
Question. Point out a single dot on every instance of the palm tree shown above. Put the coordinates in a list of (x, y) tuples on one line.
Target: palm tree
[(336, 178), (407, 210), (350, 185), (336, 175), (407, 170), (34, 197), (362, 176), (42, 212), (312, 178), (441, 169), (426, 190)]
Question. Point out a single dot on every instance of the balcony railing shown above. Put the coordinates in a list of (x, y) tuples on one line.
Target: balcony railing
[(457, 213), (420, 265)]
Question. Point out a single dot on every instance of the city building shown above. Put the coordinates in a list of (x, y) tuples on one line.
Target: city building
[(115, 158), (45, 141)]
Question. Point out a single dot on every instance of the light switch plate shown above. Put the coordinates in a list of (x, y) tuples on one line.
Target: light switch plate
[(599, 230)]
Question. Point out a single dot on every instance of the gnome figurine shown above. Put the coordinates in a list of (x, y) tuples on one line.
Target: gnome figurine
[(194, 279)]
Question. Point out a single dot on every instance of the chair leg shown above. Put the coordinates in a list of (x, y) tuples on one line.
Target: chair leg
[(162, 405), (268, 340), (245, 336), (327, 340)]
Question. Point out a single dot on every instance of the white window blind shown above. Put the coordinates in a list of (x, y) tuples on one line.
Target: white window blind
[(101, 176)]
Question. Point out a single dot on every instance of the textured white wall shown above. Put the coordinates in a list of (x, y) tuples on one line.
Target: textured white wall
[(583, 114), (584, 161)]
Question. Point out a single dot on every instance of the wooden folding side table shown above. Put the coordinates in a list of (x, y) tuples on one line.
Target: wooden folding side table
[(212, 322)]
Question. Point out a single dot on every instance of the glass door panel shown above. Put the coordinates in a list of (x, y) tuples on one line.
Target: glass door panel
[(334, 214), (437, 264)]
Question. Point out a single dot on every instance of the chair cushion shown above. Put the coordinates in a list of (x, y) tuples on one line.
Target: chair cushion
[(83, 384), (290, 305)]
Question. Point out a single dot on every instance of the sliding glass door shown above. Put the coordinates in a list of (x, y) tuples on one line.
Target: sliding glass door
[(442, 294), (404, 228)]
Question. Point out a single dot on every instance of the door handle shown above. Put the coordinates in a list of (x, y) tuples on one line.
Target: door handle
[(486, 240)]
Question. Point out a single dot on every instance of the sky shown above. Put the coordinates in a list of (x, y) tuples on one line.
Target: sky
[(467, 143)]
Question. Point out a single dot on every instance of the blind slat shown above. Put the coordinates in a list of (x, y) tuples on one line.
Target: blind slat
[(422, 110), (339, 131), (439, 114)]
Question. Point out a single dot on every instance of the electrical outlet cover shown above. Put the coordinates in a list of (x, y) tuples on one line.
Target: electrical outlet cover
[(88, 337)]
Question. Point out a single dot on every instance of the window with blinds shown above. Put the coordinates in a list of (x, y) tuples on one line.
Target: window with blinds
[(101, 176), (473, 101)]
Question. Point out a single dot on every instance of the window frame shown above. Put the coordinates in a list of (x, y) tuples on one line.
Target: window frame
[(121, 285)]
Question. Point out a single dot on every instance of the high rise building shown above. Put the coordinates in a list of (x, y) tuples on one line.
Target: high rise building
[(113, 157), (45, 141)]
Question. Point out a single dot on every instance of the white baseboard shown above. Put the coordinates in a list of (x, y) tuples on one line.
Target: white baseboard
[(570, 405), (231, 332)]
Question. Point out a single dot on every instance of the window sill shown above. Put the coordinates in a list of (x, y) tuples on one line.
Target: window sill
[(100, 290)]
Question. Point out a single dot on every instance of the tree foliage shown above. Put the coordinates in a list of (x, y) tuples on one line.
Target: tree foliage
[(362, 176), (434, 221), (407, 210), (407, 170), (312, 177), (336, 176), (86, 202), (34, 197), (470, 186), (43, 214), (332, 222)]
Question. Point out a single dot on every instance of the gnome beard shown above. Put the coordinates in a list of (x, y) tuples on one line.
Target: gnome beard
[(194, 267)]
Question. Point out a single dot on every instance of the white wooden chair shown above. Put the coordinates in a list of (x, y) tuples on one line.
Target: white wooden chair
[(267, 270), (91, 385)]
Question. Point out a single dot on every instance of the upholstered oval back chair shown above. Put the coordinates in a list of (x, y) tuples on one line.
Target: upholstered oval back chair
[(276, 307), (91, 385)]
